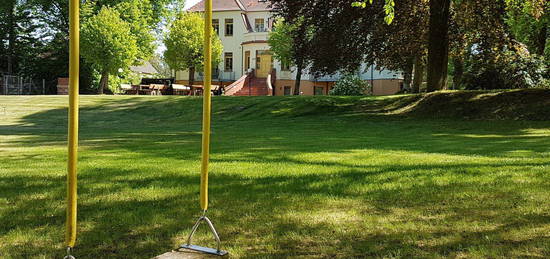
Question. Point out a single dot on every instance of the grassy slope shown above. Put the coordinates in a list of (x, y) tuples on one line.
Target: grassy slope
[(319, 177)]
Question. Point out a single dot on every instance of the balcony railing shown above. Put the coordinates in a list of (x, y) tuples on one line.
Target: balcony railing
[(256, 36), (217, 76)]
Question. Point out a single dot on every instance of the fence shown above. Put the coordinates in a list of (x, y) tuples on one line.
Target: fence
[(16, 85)]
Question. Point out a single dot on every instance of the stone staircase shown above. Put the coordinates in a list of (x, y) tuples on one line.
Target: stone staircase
[(254, 87)]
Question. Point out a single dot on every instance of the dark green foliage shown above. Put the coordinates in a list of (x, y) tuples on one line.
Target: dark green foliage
[(40, 32), (508, 70)]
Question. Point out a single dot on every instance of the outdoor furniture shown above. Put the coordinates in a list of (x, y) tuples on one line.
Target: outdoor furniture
[(181, 89), (129, 89), (198, 90), (157, 89), (145, 89)]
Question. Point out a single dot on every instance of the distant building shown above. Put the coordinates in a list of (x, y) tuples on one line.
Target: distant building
[(146, 70), (243, 27)]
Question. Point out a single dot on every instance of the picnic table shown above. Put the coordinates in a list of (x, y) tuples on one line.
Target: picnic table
[(158, 89)]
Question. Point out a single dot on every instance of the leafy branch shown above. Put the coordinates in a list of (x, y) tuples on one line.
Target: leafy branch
[(389, 9)]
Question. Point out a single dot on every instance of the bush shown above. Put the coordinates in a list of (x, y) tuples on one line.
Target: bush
[(350, 85), (510, 70)]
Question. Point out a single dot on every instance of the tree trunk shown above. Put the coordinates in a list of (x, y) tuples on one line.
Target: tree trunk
[(298, 78), (438, 45), (191, 76), (458, 64), (11, 37), (418, 74), (104, 82), (407, 74), (542, 37)]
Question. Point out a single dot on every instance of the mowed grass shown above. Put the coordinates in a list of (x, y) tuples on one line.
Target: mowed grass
[(286, 180)]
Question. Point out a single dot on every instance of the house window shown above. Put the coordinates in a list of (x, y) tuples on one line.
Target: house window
[(216, 25), (288, 90), (285, 66), (319, 90), (247, 60), (228, 61), (228, 27), (259, 25)]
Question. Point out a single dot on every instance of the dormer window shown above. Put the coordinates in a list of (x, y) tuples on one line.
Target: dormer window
[(259, 25)]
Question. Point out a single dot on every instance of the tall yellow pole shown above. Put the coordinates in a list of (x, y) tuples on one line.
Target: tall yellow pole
[(207, 103), (74, 66)]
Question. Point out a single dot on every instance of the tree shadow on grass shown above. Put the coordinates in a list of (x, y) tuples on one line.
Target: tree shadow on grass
[(354, 210), (286, 214), (134, 123)]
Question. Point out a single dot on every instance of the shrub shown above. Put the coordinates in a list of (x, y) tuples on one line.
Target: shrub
[(350, 85), (510, 70)]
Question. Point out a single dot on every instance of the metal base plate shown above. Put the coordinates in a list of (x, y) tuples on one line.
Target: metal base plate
[(205, 250)]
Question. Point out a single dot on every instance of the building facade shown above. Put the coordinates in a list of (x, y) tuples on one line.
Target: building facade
[(243, 27)]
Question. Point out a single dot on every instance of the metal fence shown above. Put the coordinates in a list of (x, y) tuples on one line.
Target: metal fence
[(16, 85)]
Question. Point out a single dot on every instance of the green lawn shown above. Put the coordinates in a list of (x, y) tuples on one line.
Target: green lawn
[(299, 176)]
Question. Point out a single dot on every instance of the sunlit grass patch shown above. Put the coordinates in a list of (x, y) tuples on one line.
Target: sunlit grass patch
[(285, 181)]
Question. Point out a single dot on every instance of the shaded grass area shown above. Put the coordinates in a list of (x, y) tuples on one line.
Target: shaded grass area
[(310, 177)]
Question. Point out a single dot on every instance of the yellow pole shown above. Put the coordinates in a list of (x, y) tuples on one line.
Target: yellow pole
[(207, 102), (74, 66)]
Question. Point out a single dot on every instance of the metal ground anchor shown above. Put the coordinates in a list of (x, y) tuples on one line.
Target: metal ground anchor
[(207, 250), (69, 255)]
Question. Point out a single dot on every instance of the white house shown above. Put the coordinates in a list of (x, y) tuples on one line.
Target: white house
[(243, 27)]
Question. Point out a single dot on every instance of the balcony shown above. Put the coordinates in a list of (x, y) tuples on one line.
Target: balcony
[(256, 36)]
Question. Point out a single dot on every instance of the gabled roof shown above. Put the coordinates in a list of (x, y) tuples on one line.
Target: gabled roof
[(233, 5), (145, 68), (256, 5)]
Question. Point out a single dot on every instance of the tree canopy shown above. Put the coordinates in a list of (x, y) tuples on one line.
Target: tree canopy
[(40, 28), (108, 43), (185, 42), (442, 34), (291, 44)]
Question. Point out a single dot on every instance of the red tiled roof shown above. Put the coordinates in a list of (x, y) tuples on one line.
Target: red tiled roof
[(255, 5), (233, 5)]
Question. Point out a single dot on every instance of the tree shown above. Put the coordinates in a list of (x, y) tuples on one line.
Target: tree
[(530, 24), (402, 45), (486, 55), (345, 37), (139, 15), (15, 35), (290, 44), (185, 42), (438, 44), (108, 43)]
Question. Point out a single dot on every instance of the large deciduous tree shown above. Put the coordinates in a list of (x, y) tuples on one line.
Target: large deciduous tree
[(291, 44), (108, 43), (16, 30), (530, 24), (185, 44), (438, 44), (345, 36), (40, 30)]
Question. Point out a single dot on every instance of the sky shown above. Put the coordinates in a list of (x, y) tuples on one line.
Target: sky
[(190, 3)]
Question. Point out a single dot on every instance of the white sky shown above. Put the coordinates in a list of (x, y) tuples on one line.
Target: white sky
[(190, 3)]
